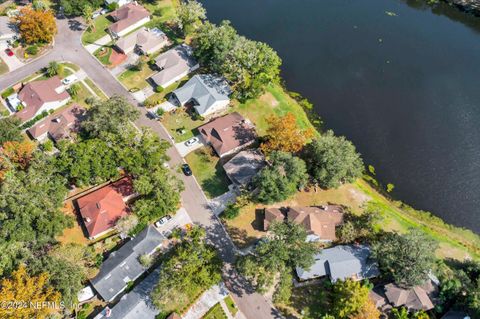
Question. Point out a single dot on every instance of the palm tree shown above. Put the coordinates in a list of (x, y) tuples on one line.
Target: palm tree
[(87, 14)]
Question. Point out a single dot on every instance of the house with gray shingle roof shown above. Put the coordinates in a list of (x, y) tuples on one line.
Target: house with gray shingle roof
[(137, 303), (341, 262), (123, 265), (173, 65), (206, 93)]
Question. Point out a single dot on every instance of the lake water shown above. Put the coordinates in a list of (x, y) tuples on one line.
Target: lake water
[(405, 88)]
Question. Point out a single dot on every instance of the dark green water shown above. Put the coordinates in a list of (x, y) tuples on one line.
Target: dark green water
[(405, 89)]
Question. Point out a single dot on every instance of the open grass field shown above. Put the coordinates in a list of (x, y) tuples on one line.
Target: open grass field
[(207, 170), (99, 31)]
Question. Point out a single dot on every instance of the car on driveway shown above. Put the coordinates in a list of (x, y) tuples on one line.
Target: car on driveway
[(9, 52), (186, 170), (162, 221), (191, 141), (70, 79)]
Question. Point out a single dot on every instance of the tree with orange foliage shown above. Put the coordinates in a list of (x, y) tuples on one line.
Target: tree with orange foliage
[(368, 311), (30, 294), (19, 153), (283, 134), (36, 25)]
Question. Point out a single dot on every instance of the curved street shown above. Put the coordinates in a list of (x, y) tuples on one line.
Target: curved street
[(68, 47)]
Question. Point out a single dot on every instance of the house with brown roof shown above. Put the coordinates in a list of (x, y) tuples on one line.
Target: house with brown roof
[(144, 40), (40, 96), (272, 215), (319, 222), (244, 166), (58, 126), (102, 208), (228, 134), (128, 18), (422, 297)]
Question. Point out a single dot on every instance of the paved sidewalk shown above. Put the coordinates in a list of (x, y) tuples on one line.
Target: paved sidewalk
[(209, 298)]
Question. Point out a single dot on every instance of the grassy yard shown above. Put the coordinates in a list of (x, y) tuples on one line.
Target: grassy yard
[(208, 172), (82, 94), (275, 101), (136, 79), (103, 55), (3, 67), (308, 302), (231, 305), (95, 88), (162, 95), (101, 24), (216, 312), (162, 10), (180, 120)]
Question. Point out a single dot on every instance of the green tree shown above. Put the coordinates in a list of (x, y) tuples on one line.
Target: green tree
[(406, 258), (192, 267), (400, 313), (110, 116), (348, 297), (283, 290), (189, 15), (285, 248), (53, 68), (87, 13), (231, 211), (74, 89), (10, 130), (333, 160), (281, 179), (76, 7)]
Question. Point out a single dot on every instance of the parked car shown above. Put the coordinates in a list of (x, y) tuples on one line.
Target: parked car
[(9, 52), (186, 170), (191, 141), (162, 221), (70, 79)]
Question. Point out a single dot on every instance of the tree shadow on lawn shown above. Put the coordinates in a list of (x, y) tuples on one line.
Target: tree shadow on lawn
[(217, 184)]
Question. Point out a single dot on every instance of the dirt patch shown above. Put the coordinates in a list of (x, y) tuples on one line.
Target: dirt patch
[(269, 99)]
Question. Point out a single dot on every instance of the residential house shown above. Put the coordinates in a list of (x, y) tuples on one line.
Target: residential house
[(128, 18), (319, 222), (58, 126), (39, 96), (228, 134), (244, 166), (414, 299), (206, 93), (272, 215), (123, 265), (341, 262), (145, 41), (8, 30), (174, 64), (137, 303), (102, 208), (119, 3)]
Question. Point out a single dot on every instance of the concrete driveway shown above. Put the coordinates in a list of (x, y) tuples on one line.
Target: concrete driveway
[(207, 301), (12, 62), (179, 220), (184, 149), (98, 44)]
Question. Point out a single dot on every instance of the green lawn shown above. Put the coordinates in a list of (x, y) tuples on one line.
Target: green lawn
[(103, 55), (101, 24), (136, 79), (82, 94), (216, 312), (162, 10), (274, 102), (231, 305), (208, 171), (95, 88), (311, 300), (180, 120)]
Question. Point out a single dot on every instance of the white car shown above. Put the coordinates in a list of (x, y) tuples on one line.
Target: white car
[(162, 221), (191, 141), (70, 79)]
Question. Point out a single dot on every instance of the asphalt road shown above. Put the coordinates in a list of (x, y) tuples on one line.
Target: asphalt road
[(68, 47)]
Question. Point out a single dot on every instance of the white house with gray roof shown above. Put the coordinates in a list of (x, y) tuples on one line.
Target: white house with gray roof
[(341, 262), (123, 265), (173, 65), (207, 93)]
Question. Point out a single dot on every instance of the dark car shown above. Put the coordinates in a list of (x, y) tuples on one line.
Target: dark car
[(186, 170)]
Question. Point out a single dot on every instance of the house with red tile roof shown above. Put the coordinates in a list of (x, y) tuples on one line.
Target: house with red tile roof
[(58, 126), (128, 18), (39, 96), (228, 134), (102, 208)]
